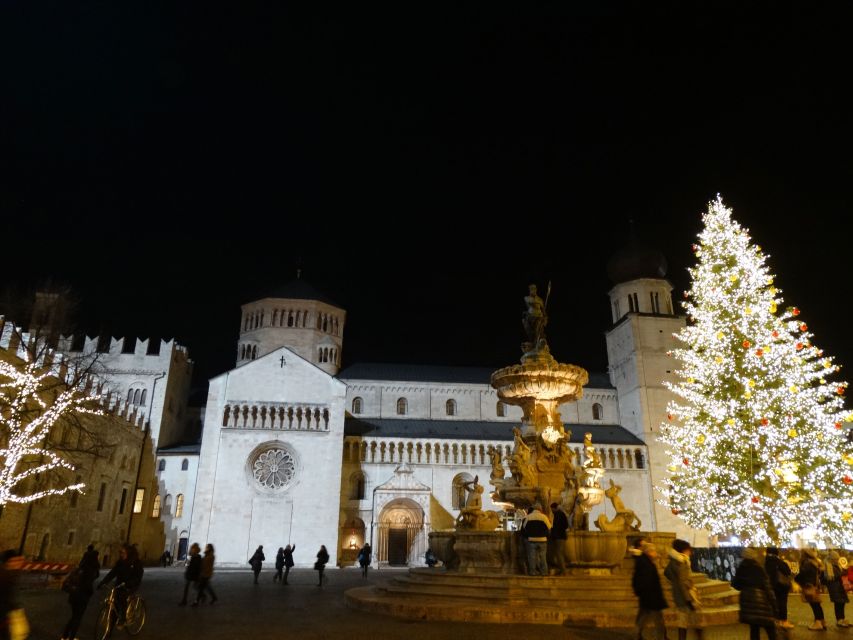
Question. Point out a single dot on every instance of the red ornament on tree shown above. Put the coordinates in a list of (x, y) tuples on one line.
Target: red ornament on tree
[(804, 327), (838, 425), (846, 479), (799, 346), (695, 248), (759, 352), (775, 334), (675, 512), (669, 416), (840, 391), (686, 461), (795, 311), (764, 422), (747, 344), (755, 499)]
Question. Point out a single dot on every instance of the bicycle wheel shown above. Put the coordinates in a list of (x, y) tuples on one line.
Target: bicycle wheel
[(104, 622), (135, 615)]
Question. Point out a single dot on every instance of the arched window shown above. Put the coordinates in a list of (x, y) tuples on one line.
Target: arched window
[(254, 352), (155, 510), (129, 396), (185, 465), (179, 505), (142, 399), (357, 406), (450, 407), (161, 465), (136, 395), (357, 485), (459, 491), (597, 412), (242, 352), (167, 505), (638, 457), (402, 406), (500, 409)]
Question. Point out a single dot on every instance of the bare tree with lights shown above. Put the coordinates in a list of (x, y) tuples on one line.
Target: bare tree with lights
[(757, 440)]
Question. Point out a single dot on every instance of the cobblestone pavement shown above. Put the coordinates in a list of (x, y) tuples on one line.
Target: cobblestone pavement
[(302, 610)]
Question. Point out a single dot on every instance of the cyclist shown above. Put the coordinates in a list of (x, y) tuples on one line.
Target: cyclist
[(128, 575)]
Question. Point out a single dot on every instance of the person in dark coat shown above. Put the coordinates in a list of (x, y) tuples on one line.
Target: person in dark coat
[(320, 565), (809, 576), (780, 577), (557, 539), (647, 587), (832, 574), (89, 567), (128, 572), (205, 576), (757, 602), (279, 565), (364, 559), (288, 560), (257, 561), (192, 572)]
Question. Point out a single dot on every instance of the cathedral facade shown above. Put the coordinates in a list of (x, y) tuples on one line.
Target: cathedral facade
[(296, 451)]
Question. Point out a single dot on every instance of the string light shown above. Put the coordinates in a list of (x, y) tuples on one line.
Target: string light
[(756, 416), (32, 404)]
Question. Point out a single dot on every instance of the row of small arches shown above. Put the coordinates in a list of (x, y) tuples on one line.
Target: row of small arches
[(462, 453), (136, 397), (248, 351), (254, 417), (167, 506), (327, 354), (325, 322), (185, 464)]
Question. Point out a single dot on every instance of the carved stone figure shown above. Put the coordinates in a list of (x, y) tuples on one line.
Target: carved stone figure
[(472, 516), (520, 462), (497, 474), (534, 319), (625, 519), (593, 468)]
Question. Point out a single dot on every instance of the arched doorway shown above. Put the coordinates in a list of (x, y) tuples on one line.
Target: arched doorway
[(352, 540), (183, 543), (401, 533)]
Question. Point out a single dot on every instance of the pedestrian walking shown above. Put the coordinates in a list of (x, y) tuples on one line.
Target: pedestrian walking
[(779, 574), (205, 575), (832, 575), (320, 565), (809, 580), (756, 599), (647, 588), (80, 590), (257, 561), (557, 542), (288, 560), (279, 565), (192, 572), (364, 559), (684, 593)]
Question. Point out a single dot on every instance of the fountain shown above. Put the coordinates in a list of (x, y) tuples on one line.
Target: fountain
[(483, 577)]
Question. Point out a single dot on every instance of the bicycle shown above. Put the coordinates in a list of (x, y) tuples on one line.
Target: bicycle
[(107, 618)]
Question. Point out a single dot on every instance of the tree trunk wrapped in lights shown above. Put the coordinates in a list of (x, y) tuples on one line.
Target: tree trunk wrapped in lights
[(757, 441)]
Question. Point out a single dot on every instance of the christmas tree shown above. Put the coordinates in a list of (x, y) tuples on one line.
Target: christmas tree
[(757, 439)]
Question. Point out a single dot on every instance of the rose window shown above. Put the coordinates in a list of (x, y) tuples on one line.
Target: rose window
[(274, 468)]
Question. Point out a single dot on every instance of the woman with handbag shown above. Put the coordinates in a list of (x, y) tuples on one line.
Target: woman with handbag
[(838, 596), (809, 580), (781, 580)]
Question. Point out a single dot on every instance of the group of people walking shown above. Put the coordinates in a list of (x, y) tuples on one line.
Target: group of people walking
[(284, 562), (763, 579), (198, 573)]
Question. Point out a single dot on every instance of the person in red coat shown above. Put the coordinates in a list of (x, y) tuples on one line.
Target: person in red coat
[(647, 587)]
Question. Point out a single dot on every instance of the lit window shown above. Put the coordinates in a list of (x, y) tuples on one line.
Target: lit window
[(138, 500), (597, 412), (357, 406), (179, 505), (450, 407), (155, 510), (402, 406)]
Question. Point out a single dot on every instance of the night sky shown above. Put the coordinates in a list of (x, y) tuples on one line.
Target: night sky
[(420, 164)]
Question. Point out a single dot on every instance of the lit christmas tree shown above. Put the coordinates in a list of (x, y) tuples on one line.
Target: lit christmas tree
[(758, 447), (33, 400)]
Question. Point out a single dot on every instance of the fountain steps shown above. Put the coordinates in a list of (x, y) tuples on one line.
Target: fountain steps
[(589, 601)]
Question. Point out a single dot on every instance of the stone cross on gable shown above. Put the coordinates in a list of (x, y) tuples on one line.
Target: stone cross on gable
[(282, 362)]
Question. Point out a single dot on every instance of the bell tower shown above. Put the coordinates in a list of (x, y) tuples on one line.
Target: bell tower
[(637, 344), (298, 317)]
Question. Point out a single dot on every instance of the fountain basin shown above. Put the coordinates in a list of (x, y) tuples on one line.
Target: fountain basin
[(553, 382), (595, 549)]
